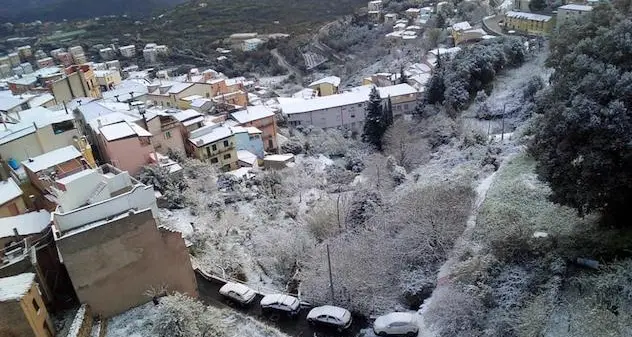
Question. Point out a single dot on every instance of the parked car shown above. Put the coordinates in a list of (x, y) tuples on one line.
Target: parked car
[(396, 324), (280, 303), (238, 292), (330, 316)]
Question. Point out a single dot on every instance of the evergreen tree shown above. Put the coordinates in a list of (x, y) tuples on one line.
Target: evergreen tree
[(402, 76), (537, 5), (388, 113), (376, 122)]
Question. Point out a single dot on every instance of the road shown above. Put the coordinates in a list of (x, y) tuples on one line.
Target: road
[(325, 49), (208, 290), (284, 63)]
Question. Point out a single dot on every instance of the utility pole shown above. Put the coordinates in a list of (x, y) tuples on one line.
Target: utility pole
[(331, 280), (502, 135)]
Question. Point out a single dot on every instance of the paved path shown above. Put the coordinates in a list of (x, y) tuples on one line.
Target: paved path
[(285, 64), (490, 25)]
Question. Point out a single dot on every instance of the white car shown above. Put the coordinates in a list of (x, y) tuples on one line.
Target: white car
[(396, 324), (237, 292), (280, 303), (330, 316)]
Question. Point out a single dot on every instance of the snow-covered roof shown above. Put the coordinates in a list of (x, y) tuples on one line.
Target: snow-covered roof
[(574, 7), (112, 118), (528, 16), (253, 130), (177, 88), (186, 115), (461, 26), (123, 130), (52, 158), (198, 103), (9, 190), (41, 99), (444, 51), (10, 102), (413, 10), (305, 93), (355, 96), (25, 224), (24, 122), (333, 80), (193, 121), (214, 133), (252, 113), (246, 157), (13, 288)]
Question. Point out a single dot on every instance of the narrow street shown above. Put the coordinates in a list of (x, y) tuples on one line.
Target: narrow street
[(298, 327)]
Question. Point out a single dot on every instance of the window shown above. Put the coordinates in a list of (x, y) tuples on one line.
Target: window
[(352, 116), (168, 134), (214, 147), (200, 124), (214, 160), (25, 106), (225, 143), (359, 104), (35, 306), (169, 104), (63, 127), (227, 156), (208, 151), (208, 95)]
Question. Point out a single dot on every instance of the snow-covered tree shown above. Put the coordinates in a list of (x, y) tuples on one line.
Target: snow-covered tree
[(405, 144), (184, 316), (376, 122)]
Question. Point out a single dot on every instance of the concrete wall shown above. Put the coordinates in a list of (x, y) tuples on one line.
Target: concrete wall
[(37, 143), (113, 265), (170, 138), (13, 323), (252, 143)]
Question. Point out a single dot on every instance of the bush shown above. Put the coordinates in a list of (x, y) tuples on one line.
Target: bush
[(456, 313)]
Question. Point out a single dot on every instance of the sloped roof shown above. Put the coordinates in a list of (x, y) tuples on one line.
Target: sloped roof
[(52, 158), (528, 16), (9, 190), (122, 130), (25, 224), (333, 80), (252, 113), (15, 287)]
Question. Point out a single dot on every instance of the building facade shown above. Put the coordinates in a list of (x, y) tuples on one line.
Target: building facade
[(79, 81), (22, 310), (571, 12), (529, 23), (215, 144)]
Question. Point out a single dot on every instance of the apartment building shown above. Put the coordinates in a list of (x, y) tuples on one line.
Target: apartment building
[(11, 201), (529, 23), (125, 145), (108, 237), (571, 12), (216, 144), (79, 81)]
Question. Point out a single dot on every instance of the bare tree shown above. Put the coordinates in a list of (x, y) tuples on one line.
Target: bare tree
[(405, 145)]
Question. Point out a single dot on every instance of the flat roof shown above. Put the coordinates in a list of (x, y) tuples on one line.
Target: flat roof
[(574, 7), (122, 130), (9, 190), (15, 287), (215, 134), (52, 158), (333, 80)]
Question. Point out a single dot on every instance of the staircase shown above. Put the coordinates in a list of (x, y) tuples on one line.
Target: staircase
[(100, 187)]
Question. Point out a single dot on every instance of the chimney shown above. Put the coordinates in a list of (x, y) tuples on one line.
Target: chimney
[(16, 234), (99, 123)]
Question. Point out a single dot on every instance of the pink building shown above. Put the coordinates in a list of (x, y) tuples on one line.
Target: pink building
[(125, 145), (262, 118)]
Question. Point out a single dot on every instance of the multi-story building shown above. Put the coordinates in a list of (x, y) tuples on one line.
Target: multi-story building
[(348, 109), (108, 237), (252, 44), (107, 79), (262, 118), (125, 145), (215, 143), (57, 164), (107, 53), (79, 81), (65, 59), (14, 59), (45, 62), (172, 94), (76, 50), (571, 12), (529, 23), (79, 58), (128, 51), (25, 52), (22, 309)]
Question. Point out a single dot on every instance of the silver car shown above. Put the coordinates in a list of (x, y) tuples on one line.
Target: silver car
[(281, 304), (330, 316), (238, 292), (396, 324)]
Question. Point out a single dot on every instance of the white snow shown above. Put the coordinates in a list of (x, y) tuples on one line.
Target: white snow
[(77, 322), (15, 287), (252, 113), (122, 130), (333, 80), (52, 158), (9, 190), (25, 224)]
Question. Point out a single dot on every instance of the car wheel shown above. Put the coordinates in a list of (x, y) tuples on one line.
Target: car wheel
[(311, 322), (411, 334), (382, 334)]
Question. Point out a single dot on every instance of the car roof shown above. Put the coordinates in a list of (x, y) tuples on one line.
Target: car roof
[(278, 298), (330, 310), (235, 287), (395, 317)]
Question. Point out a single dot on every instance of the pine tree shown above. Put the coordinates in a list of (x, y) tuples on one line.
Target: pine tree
[(388, 113), (402, 76), (375, 124)]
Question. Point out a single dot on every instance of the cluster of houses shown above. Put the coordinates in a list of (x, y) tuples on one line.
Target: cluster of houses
[(522, 20), (77, 227)]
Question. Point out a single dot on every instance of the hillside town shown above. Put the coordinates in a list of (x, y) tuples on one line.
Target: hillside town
[(407, 195)]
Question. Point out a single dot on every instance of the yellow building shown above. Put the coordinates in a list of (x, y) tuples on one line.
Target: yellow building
[(107, 79), (79, 81), (11, 202), (326, 86), (173, 94), (216, 144), (22, 310), (529, 23)]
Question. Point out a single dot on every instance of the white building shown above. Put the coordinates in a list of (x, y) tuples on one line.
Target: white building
[(347, 109), (252, 44), (107, 53), (570, 12), (128, 51), (76, 50), (150, 55)]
